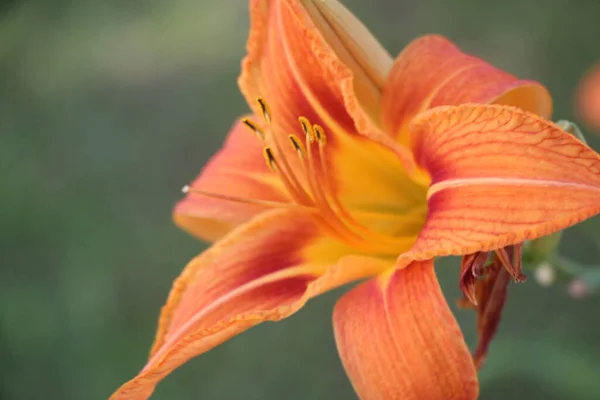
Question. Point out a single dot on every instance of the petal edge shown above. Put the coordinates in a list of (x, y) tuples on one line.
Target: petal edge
[(432, 71), (259, 272), (499, 176), (398, 339)]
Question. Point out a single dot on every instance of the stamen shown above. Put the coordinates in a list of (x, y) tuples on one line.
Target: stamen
[(286, 175), (265, 109), (270, 159), (322, 187), (320, 134), (257, 202), (298, 146), (185, 189), (285, 171), (315, 190), (253, 126), (307, 129), (333, 202), (331, 222)]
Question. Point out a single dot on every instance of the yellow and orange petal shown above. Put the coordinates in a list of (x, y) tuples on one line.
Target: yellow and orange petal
[(398, 339), (311, 56), (261, 271), (290, 64), (587, 99), (305, 63), (432, 71), (238, 170), (499, 176)]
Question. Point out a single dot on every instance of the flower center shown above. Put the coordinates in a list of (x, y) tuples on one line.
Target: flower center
[(310, 185)]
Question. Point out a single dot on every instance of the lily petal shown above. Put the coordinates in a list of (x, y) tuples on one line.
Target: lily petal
[(237, 170), (259, 272), (499, 176), (431, 71), (398, 339), (306, 59), (302, 58), (351, 40)]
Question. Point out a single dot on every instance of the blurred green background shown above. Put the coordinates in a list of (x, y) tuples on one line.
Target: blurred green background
[(109, 107)]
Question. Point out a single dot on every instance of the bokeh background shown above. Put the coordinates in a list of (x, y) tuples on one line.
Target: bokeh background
[(109, 107)]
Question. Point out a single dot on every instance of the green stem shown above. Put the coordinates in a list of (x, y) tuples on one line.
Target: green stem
[(565, 265)]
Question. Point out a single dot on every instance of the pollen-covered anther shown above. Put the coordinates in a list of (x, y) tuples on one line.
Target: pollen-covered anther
[(320, 134), (253, 126), (270, 158), (264, 109), (298, 146), (307, 129)]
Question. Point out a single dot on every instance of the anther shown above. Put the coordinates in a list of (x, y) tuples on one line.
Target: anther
[(270, 158), (185, 189), (320, 134), (264, 108), (297, 145), (307, 129), (254, 128)]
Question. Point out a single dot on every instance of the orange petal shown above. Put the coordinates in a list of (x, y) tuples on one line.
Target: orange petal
[(304, 61), (237, 170), (588, 98), (398, 339), (259, 272), (314, 59), (499, 176), (431, 71)]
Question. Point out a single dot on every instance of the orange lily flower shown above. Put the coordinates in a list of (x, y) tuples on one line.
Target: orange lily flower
[(588, 98), (369, 167)]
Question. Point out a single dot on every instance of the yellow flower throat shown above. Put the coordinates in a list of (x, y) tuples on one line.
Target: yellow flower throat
[(311, 187)]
